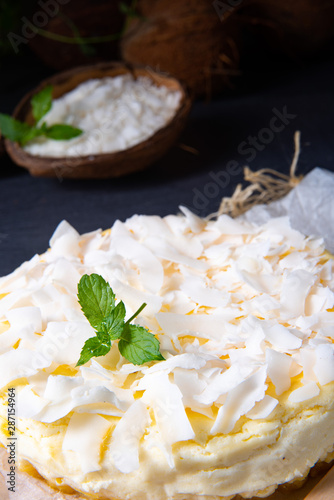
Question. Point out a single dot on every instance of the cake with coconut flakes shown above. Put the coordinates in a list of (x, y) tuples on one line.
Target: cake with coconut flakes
[(243, 400)]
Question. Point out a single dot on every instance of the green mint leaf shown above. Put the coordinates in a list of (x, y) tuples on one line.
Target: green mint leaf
[(31, 134), (96, 299), (13, 129), (97, 302), (41, 103), (103, 337), (114, 322), (94, 347), (138, 345), (61, 132), (43, 128), (22, 133)]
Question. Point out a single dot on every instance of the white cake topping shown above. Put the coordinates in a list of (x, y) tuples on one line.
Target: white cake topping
[(240, 311)]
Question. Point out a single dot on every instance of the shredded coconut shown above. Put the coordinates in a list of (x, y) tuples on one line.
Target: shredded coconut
[(114, 114)]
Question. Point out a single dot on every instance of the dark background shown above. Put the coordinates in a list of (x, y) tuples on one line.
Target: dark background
[(31, 208)]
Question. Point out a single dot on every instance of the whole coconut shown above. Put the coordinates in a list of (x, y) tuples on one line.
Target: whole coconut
[(187, 40)]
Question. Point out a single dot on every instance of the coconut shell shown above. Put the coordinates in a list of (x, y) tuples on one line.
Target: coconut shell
[(104, 165), (187, 40)]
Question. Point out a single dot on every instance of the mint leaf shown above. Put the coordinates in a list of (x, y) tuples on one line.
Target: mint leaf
[(97, 302), (96, 299), (94, 347), (114, 322), (61, 132), (31, 134), (41, 103), (20, 132), (13, 129), (138, 345)]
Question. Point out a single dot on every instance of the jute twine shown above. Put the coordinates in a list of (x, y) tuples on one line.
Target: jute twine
[(266, 185)]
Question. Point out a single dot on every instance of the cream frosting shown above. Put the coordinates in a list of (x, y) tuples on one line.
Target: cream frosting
[(244, 315)]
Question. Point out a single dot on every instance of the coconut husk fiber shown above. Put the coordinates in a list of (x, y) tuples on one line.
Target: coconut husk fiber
[(187, 40)]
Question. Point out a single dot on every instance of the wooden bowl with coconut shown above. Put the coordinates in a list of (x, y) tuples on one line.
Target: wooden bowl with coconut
[(129, 118)]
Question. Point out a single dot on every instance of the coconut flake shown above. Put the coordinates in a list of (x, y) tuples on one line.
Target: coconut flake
[(324, 364), (307, 359), (321, 298), (239, 401), (199, 325), (86, 444), (63, 340), (25, 317), (204, 295), (220, 383), (281, 338), (166, 400), (150, 271), (178, 302), (219, 254), (191, 385), (326, 272), (124, 447), (294, 260), (89, 394), (19, 363), (18, 278), (279, 366), (305, 392), (134, 298), (295, 289), (279, 228), (17, 298), (24, 322), (64, 242), (29, 404), (186, 361), (65, 274), (263, 283), (263, 408), (196, 223), (227, 225), (67, 393), (166, 251)]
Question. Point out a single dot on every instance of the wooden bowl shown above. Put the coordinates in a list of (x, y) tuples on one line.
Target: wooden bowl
[(106, 165)]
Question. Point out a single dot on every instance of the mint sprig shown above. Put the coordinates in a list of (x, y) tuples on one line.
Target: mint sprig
[(21, 132), (41, 103), (97, 301)]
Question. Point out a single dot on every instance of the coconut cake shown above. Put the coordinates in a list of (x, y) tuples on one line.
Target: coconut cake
[(243, 400)]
